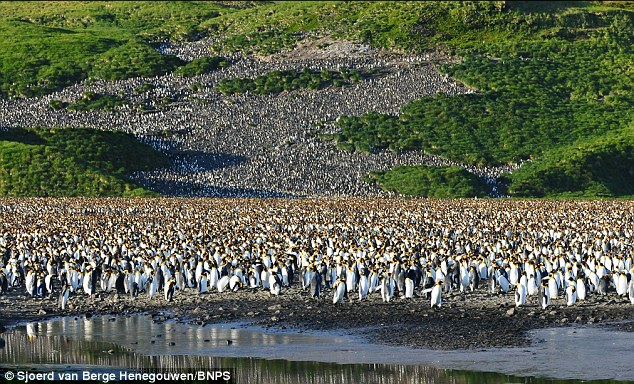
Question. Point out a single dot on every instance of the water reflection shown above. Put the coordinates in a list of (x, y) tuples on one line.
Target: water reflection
[(136, 342)]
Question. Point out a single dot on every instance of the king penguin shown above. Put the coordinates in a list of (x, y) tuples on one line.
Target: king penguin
[(571, 295), (315, 285), (436, 295), (169, 289), (4, 283), (275, 284), (553, 288), (581, 289), (520, 295), (63, 296), (621, 284), (340, 290), (364, 284), (544, 294), (387, 288)]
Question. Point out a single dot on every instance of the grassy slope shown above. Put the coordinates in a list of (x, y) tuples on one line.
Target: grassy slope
[(552, 75), (72, 162), (275, 25), (431, 182), (591, 167), (548, 75), (48, 45)]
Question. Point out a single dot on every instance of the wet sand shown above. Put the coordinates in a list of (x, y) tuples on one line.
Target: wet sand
[(479, 320)]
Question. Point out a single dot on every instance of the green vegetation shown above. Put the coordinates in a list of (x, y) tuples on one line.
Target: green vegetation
[(601, 167), (273, 26), (279, 81), (45, 46), (566, 77), (430, 182), (554, 80), (202, 65), (133, 59), (90, 101), (73, 162)]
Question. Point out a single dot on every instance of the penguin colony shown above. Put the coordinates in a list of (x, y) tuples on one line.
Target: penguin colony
[(341, 250)]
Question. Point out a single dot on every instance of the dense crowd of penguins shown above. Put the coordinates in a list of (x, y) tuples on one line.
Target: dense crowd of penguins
[(344, 250), (255, 145)]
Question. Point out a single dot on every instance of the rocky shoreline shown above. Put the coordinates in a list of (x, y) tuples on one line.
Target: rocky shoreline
[(482, 321)]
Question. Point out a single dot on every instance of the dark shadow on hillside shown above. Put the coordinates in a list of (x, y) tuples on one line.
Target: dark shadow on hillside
[(21, 135), (202, 161), (544, 6), (190, 160), (192, 189)]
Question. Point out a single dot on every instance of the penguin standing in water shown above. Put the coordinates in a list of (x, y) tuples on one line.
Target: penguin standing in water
[(169, 289), (340, 290), (63, 296)]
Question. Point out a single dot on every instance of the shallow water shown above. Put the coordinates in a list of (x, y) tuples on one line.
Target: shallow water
[(260, 355)]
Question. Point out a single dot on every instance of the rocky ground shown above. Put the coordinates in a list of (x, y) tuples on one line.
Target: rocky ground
[(477, 320)]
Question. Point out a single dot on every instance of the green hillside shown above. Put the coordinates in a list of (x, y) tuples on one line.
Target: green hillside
[(553, 80), (548, 75), (73, 162), (568, 77), (431, 182), (602, 167), (45, 46)]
